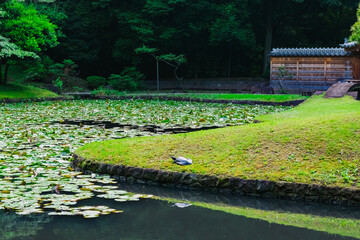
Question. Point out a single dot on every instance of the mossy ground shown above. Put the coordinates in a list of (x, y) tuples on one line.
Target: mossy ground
[(316, 142), (21, 91)]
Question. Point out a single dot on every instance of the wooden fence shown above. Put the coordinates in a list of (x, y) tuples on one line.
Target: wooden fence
[(312, 69), (310, 73)]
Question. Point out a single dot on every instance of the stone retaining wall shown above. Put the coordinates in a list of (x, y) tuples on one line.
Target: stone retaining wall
[(283, 190)]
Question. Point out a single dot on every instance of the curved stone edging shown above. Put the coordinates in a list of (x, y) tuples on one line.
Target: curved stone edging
[(188, 99), (283, 190)]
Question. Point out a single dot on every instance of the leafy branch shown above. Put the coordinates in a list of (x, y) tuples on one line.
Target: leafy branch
[(170, 59)]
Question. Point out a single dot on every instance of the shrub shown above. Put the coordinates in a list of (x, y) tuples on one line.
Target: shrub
[(46, 71), (128, 80), (95, 82), (58, 84), (72, 83)]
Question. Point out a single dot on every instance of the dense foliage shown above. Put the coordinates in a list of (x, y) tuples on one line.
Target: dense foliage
[(191, 38), (25, 33), (355, 29), (219, 38)]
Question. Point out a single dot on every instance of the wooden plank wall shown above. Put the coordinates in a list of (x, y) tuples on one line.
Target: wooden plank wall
[(356, 67), (313, 70)]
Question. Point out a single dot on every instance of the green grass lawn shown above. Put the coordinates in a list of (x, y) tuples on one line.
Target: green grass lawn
[(19, 91), (234, 96), (317, 142)]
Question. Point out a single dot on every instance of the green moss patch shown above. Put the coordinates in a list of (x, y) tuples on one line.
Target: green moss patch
[(19, 91), (316, 142)]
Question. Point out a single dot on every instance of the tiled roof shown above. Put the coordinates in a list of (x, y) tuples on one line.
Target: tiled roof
[(309, 52), (349, 44)]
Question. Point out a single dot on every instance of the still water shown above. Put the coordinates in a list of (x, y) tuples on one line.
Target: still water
[(160, 219)]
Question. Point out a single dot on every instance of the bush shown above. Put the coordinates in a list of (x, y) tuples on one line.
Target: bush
[(58, 84), (128, 80), (47, 71), (74, 83), (94, 82)]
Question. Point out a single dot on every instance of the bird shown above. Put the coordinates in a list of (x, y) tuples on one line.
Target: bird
[(182, 160)]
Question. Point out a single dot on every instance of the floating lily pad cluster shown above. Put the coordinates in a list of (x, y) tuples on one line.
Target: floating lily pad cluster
[(35, 154)]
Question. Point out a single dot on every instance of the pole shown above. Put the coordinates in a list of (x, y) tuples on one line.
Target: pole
[(157, 75)]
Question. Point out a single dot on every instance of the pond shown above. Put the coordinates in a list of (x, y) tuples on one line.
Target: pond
[(162, 219), (39, 190)]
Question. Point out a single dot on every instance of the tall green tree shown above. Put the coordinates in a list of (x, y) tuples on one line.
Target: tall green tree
[(27, 28), (25, 32)]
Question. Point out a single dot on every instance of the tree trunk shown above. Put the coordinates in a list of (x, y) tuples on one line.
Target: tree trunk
[(229, 61), (269, 33), (177, 77), (157, 75), (6, 73)]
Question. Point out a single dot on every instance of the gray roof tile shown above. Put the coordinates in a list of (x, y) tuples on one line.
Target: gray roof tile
[(349, 44), (309, 52)]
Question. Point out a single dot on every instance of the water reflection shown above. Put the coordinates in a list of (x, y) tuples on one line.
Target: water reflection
[(155, 219)]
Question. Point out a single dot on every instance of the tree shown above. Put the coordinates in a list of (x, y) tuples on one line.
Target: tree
[(170, 59), (25, 33), (27, 28)]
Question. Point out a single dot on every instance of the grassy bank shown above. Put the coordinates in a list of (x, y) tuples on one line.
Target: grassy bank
[(317, 142), (234, 96), (19, 91)]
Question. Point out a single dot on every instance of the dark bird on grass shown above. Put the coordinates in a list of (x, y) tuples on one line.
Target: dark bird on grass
[(182, 160)]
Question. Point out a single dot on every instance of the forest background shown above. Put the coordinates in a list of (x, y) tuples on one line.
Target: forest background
[(213, 38)]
